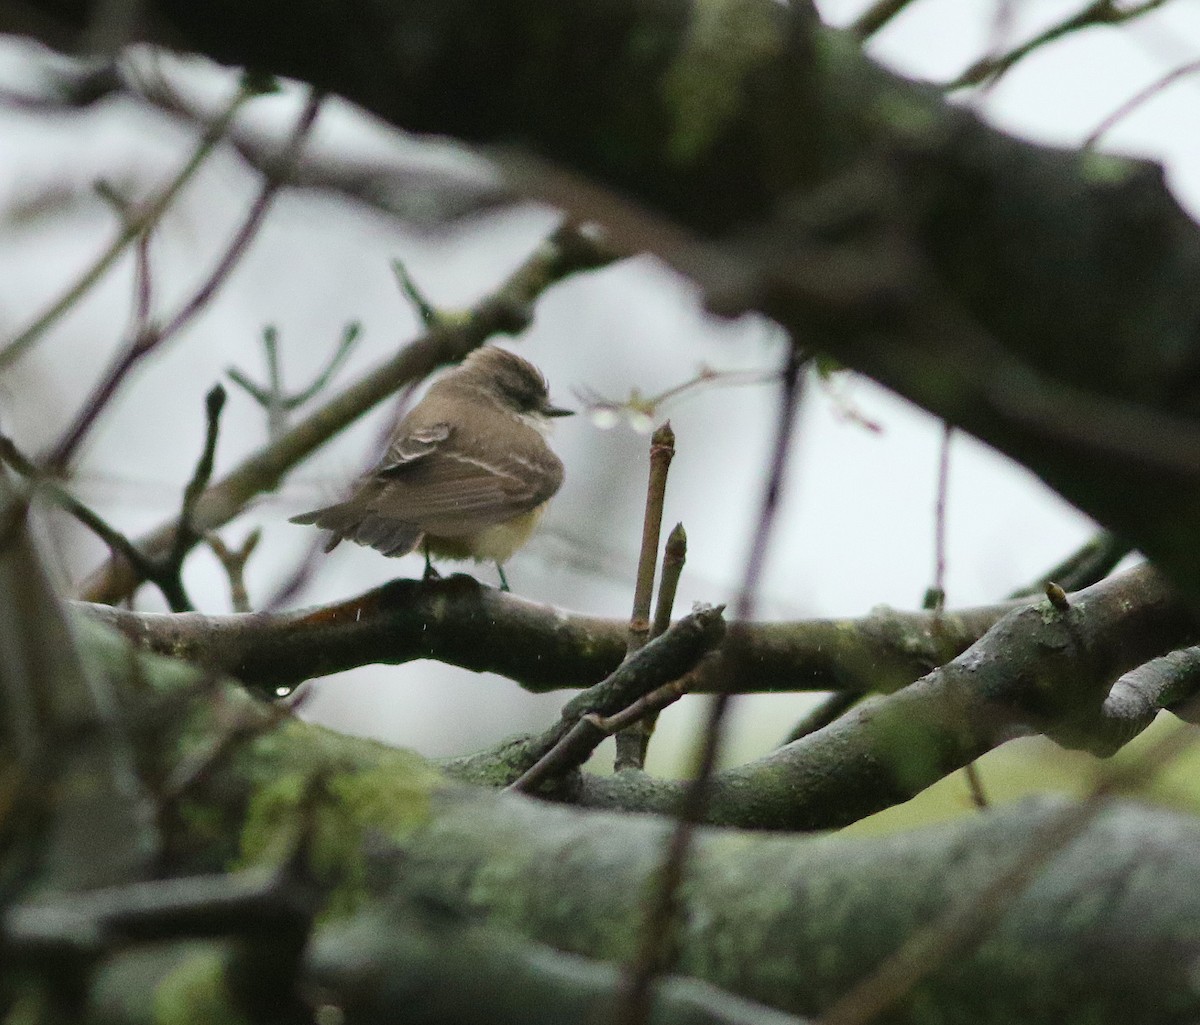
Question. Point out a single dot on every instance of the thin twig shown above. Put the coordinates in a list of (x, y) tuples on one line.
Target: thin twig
[(592, 729), (975, 785), (1099, 12), (258, 210), (877, 16), (427, 313), (655, 949), (168, 570), (233, 561), (272, 397), (935, 597), (674, 557), (1137, 99), (659, 662), (662, 451), (163, 572), (133, 228), (149, 338), (115, 540), (821, 715), (186, 534), (1089, 564), (631, 748), (641, 410)]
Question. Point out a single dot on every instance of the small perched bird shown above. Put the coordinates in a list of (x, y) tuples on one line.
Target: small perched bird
[(467, 474)]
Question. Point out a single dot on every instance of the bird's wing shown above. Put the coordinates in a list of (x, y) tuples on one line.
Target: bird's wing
[(410, 446), (460, 493)]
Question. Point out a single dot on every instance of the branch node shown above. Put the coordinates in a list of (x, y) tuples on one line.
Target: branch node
[(1057, 596)]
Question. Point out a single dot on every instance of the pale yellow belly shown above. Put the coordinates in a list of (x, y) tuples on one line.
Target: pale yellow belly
[(493, 544)]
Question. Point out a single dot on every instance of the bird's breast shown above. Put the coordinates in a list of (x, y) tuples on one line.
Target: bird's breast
[(492, 544)]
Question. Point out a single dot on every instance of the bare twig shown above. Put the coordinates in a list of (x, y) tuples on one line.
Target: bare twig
[(975, 785), (186, 534), (425, 310), (674, 557), (662, 451), (631, 748), (162, 571), (664, 659), (822, 714), (1092, 562), (935, 597), (272, 397), (877, 16), (115, 540), (592, 729), (149, 337), (655, 951), (1137, 99), (233, 561), (1098, 12), (411, 193), (275, 180), (133, 228), (641, 410)]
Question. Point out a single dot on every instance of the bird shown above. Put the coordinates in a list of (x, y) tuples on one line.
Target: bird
[(467, 473)]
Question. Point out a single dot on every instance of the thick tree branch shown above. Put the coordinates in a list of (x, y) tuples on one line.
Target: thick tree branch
[(1038, 670), (462, 622), (575, 881)]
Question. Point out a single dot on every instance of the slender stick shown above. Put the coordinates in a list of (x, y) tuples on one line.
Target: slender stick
[(134, 227), (1098, 12), (148, 337), (116, 541), (822, 714), (662, 450), (631, 755), (655, 950), (631, 747), (877, 16), (1137, 99), (674, 557)]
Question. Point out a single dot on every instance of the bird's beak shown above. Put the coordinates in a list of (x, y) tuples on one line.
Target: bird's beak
[(549, 410)]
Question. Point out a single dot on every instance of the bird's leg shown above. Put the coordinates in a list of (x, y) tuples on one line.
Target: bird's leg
[(503, 579), (430, 572)]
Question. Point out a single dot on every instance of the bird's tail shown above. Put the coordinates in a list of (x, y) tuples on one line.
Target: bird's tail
[(350, 521)]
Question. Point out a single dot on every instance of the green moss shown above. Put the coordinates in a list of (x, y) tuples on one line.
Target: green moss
[(1104, 168), (704, 88), (339, 791), (196, 993), (907, 114)]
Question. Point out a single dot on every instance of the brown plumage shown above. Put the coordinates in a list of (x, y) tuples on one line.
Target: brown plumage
[(467, 472)]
